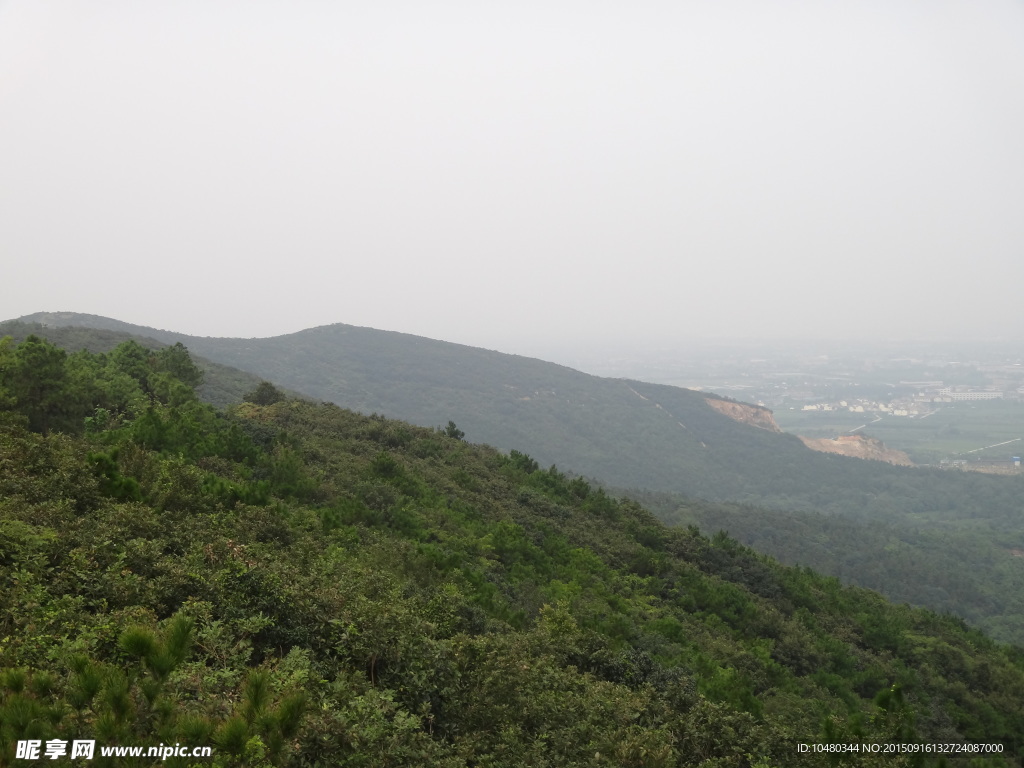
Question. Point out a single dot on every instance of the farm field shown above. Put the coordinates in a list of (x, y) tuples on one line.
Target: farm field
[(954, 431)]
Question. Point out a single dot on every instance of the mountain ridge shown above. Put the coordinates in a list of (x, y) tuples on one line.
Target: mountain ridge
[(504, 400)]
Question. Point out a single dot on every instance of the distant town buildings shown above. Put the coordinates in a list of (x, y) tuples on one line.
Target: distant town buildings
[(919, 404), (947, 394)]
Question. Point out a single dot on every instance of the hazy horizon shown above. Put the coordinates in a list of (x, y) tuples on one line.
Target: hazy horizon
[(528, 178)]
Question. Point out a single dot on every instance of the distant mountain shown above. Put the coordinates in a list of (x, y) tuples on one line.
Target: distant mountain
[(627, 433)]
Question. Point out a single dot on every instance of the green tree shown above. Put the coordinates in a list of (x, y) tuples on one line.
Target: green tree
[(176, 361), (35, 376), (265, 394), (454, 432), (133, 359), (7, 401)]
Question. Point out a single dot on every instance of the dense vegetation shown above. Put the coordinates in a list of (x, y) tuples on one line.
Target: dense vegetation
[(945, 540), (918, 562), (221, 385), (298, 584)]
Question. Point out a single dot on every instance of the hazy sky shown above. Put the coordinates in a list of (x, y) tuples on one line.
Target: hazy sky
[(517, 174)]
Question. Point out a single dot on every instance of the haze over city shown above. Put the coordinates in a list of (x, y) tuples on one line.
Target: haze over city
[(521, 176)]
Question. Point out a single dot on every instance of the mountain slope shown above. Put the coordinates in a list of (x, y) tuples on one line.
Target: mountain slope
[(916, 523), (297, 584), (674, 440)]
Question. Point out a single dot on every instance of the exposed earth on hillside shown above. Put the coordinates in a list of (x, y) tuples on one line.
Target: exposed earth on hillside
[(754, 415), (860, 447), (855, 446)]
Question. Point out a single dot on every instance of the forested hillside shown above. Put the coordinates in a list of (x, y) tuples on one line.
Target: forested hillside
[(945, 540), (298, 584), (673, 440), (221, 385), (910, 562)]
